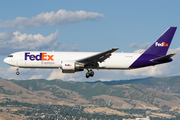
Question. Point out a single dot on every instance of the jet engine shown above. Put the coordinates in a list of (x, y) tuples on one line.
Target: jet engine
[(71, 66)]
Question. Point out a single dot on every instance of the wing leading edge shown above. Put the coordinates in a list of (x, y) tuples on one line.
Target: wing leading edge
[(98, 57)]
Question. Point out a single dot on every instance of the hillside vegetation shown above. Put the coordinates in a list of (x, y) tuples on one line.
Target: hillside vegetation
[(152, 92), (149, 93)]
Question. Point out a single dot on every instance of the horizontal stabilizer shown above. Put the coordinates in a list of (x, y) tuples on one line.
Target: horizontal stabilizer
[(163, 58)]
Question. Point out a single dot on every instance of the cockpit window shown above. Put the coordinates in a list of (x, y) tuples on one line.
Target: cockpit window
[(10, 56)]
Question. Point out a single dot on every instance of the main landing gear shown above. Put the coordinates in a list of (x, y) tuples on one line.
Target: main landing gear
[(17, 73), (90, 73)]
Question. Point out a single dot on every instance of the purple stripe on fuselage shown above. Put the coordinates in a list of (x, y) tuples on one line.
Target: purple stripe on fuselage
[(144, 60)]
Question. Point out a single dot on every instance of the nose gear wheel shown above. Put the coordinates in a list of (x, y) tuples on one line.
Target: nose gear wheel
[(17, 73)]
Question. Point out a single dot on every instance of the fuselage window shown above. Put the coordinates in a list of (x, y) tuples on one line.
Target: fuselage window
[(10, 56)]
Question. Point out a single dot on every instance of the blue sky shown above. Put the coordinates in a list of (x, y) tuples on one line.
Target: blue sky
[(101, 25)]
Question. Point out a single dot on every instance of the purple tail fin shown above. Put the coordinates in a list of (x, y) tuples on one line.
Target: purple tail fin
[(161, 45)]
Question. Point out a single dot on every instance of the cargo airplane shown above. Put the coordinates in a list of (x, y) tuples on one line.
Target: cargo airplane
[(71, 62)]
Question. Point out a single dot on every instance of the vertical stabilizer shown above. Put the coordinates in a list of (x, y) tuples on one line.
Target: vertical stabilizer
[(161, 45)]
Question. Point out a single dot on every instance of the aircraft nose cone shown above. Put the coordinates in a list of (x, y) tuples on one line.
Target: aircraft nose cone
[(6, 60)]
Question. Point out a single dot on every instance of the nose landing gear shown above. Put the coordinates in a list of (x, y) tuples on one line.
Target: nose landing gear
[(90, 73), (17, 73)]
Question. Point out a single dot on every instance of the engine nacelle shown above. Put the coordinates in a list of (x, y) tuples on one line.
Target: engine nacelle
[(71, 66)]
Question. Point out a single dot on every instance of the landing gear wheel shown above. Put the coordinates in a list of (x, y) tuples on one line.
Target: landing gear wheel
[(87, 75), (17, 69), (91, 73), (17, 73)]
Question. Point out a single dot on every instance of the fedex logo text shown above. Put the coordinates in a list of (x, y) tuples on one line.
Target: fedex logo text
[(163, 44), (41, 56), (68, 65)]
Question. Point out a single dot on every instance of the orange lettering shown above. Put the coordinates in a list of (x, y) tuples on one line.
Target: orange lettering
[(163, 43), (43, 56), (50, 57)]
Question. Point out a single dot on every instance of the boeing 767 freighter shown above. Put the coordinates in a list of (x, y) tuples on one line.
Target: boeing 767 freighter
[(71, 62)]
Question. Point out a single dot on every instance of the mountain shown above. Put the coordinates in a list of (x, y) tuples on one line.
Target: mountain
[(163, 84), (148, 93), (139, 93)]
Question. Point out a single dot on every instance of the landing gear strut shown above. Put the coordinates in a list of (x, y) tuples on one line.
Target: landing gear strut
[(17, 73), (90, 73)]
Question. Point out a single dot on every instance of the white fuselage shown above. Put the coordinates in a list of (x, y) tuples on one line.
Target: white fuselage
[(32, 59), (71, 62)]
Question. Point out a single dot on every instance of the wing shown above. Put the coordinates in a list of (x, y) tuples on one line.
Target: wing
[(98, 57)]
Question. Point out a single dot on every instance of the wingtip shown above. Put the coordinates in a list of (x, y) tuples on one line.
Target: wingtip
[(115, 48), (173, 54)]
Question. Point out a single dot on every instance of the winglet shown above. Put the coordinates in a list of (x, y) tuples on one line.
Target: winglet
[(161, 45)]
